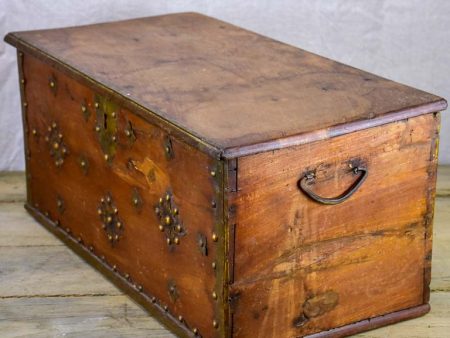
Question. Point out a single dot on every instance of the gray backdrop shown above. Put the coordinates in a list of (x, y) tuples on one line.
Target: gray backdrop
[(404, 40)]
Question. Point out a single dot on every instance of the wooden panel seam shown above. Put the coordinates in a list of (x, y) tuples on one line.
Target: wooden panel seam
[(334, 131), (230, 191), (24, 105), (429, 216)]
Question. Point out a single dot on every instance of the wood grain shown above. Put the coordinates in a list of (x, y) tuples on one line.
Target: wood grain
[(46, 273), (441, 247), (27, 234), (435, 324), (102, 315), (443, 181), (218, 83), (179, 276), (156, 115), (68, 316), (12, 189), (369, 251)]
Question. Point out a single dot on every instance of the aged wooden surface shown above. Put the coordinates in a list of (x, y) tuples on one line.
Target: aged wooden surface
[(41, 296), (139, 199), (314, 267), (44, 296), (139, 176), (221, 84)]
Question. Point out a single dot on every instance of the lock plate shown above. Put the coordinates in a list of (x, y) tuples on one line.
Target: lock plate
[(106, 125)]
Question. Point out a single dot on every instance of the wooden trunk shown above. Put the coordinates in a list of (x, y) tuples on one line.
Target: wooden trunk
[(192, 162)]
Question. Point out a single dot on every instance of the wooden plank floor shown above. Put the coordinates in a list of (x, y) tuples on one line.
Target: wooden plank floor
[(47, 291)]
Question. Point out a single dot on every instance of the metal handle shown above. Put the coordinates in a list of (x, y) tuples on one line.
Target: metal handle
[(310, 177)]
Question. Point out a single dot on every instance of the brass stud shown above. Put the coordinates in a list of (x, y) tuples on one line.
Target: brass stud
[(127, 276), (49, 128), (83, 163), (91, 248), (108, 199), (96, 104), (161, 228), (213, 173), (127, 133), (64, 150), (157, 211), (167, 149), (215, 324), (56, 145), (110, 238), (103, 226), (195, 330), (67, 230), (114, 267), (113, 114), (153, 299), (167, 220), (140, 288), (109, 219), (179, 228), (215, 237), (52, 84), (79, 239), (102, 200), (169, 241), (21, 54), (83, 108), (214, 295), (167, 197), (116, 237), (214, 265), (175, 211), (34, 132), (60, 136), (54, 125), (59, 203), (25, 104), (97, 128), (106, 157), (176, 240), (114, 138), (115, 210), (135, 201), (160, 200), (166, 308), (213, 204), (22, 81), (102, 257), (119, 224), (180, 318)]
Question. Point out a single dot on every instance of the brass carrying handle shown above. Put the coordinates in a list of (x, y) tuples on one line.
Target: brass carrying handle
[(310, 177)]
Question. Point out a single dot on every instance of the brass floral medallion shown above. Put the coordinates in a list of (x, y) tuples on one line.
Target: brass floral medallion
[(169, 220), (57, 147), (111, 223)]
